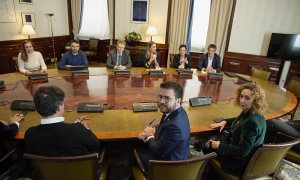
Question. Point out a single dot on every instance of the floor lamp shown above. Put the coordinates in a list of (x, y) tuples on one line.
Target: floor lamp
[(54, 59)]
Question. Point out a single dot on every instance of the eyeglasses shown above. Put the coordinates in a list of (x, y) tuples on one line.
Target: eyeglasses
[(165, 98)]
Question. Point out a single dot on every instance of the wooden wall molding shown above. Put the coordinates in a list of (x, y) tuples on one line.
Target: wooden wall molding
[(243, 63)]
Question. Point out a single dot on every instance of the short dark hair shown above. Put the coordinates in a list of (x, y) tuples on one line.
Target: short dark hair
[(173, 85), (181, 46), (74, 41), (212, 46), (47, 100)]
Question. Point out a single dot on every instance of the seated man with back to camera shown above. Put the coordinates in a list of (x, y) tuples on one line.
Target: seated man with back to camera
[(170, 139), (119, 58), (54, 137), (210, 62), (75, 57)]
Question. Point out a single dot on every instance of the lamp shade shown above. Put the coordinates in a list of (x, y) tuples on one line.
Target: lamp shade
[(151, 31), (28, 30)]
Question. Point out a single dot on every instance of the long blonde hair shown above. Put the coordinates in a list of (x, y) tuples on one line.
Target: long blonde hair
[(24, 55), (148, 54), (259, 105)]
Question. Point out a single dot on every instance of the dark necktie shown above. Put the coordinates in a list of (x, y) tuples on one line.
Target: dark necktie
[(119, 59), (162, 120)]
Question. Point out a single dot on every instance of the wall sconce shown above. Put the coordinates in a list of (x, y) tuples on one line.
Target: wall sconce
[(28, 30), (151, 31)]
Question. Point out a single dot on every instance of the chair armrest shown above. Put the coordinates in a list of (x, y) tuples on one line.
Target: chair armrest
[(138, 160), (101, 157), (284, 135)]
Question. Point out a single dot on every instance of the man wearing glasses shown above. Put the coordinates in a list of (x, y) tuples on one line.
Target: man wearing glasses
[(119, 58), (170, 139)]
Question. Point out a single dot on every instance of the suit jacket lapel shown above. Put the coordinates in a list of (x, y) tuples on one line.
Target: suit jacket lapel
[(167, 120)]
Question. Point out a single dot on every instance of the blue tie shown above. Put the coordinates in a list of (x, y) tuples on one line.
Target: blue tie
[(119, 59)]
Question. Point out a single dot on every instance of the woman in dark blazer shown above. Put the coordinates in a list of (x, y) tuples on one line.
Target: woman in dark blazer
[(182, 60), (247, 130)]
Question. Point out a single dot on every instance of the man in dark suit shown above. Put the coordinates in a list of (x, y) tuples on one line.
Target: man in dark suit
[(53, 137), (170, 139), (7, 131), (119, 58), (210, 62)]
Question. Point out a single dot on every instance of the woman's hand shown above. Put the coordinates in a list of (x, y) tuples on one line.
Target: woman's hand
[(44, 70), (154, 56), (220, 125), (28, 72)]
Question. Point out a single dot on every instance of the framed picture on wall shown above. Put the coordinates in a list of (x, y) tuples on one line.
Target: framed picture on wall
[(139, 11), (28, 18), (26, 1)]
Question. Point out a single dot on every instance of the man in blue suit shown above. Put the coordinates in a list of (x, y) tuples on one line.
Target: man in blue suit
[(170, 139), (210, 62)]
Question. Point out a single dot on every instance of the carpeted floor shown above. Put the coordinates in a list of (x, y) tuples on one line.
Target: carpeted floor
[(297, 116)]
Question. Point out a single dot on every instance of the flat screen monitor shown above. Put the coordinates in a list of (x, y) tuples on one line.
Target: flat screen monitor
[(284, 46)]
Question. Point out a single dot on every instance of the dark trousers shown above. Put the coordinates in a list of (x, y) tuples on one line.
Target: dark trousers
[(289, 128)]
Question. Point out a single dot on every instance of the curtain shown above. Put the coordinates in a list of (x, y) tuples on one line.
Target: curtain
[(218, 24), (178, 25), (94, 21), (190, 24), (111, 18), (76, 12)]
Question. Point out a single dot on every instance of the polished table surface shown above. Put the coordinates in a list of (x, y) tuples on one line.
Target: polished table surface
[(117, 93)]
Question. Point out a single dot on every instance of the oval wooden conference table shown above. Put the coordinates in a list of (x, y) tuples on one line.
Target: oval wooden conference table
[(118, 93)]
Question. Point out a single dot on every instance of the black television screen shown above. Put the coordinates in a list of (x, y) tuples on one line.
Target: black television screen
[(284, 46)]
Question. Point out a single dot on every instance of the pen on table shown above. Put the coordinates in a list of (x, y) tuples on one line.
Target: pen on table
[(152, 122)]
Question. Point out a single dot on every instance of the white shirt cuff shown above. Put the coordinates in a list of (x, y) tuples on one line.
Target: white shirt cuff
[(17, 123), (149, 137)]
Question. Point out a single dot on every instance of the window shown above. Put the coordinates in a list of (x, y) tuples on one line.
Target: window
[(94, 20), (200, 25)]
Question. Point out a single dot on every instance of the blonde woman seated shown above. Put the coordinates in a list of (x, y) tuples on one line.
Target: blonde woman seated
[(30, 60), (247, 130), (152, 57)]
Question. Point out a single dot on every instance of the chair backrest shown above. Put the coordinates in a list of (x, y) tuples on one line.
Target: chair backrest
[(93, 44), (15, 61), (70, 167), (266, 159), (261, 74), (190, 169), (294, 86), (171, 60)]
